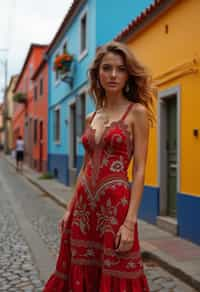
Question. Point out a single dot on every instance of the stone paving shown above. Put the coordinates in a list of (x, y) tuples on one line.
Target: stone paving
[(18, 271)]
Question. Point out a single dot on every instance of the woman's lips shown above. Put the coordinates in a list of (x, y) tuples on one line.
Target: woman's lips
[(112, 83)]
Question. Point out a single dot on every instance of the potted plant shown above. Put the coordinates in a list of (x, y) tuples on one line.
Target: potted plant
[(19, 97), (62, 63)]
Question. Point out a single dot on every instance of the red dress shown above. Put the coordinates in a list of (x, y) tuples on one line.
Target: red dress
[(87, 260)]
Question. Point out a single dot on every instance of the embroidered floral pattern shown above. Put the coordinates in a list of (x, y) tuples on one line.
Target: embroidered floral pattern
[(81, 216), (117, 166), (99, 209), (106, 218)]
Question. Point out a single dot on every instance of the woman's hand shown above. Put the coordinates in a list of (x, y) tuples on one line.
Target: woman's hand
[(125, 237), (63, 222)]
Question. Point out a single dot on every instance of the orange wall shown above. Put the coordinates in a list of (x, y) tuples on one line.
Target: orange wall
[(40, 112), (25, 85)]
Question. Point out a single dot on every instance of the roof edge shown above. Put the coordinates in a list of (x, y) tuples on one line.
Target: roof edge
[(146, 17)]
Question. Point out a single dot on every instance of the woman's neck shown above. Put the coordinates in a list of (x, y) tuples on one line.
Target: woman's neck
[(114, 101)]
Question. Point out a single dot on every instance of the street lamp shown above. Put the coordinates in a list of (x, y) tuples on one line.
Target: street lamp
[(5, 67)]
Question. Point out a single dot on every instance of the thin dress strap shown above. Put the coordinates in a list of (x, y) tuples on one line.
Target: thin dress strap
[(92, 117), (127, 111)]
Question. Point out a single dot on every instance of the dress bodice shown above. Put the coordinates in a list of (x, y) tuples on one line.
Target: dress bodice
[(110, 157)]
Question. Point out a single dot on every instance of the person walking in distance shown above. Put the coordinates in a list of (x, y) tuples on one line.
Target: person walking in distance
[(99, 249), (19, 152)]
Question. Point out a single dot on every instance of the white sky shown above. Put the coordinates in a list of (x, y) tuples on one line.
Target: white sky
[(23, 22)]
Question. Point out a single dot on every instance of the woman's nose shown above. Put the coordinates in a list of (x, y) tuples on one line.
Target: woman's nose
[(113, 73)]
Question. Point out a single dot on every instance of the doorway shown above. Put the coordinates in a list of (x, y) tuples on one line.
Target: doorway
[(169, 150)]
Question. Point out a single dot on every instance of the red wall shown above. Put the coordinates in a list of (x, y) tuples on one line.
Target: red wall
[(40, 112), (25, 85)]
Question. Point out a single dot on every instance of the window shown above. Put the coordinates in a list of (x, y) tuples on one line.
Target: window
[(35, 132), (35, 92), (57, 125), (41, 86), (65, 47), (83, 33)]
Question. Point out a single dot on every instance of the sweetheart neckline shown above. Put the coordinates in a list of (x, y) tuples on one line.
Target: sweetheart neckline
[(125, 126)]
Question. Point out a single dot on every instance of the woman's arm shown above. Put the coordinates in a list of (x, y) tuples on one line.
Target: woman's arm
[(140, 140)]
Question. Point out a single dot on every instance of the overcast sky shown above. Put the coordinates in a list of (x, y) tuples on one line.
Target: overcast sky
[(23, 22)]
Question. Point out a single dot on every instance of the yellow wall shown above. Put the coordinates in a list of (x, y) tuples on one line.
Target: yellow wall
[(161, 52)]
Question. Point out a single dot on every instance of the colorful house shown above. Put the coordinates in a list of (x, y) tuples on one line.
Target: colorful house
[(169, 45), (23, 117), (40, 115), (80, 33), (9, 103)]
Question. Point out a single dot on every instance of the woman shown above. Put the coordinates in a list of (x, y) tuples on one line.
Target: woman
[(99, 247)]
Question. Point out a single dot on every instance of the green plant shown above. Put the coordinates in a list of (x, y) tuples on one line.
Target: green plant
[(46, 175), (19, 97)]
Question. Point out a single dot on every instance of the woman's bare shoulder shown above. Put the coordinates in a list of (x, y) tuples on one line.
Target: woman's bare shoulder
[(139, 109), (139, 113)]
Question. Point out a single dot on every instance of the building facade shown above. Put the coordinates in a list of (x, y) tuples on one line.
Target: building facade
[(170, 46), (80, 33), (23, 117), (2, 132), (40, 116), (9, 104)]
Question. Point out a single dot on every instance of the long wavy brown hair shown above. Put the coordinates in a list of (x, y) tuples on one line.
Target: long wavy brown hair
[(140, 86)]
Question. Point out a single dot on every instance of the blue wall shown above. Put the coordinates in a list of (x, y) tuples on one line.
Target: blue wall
[(113, 16), (149, 208), (60, 93), (188, 215), (57, 164)]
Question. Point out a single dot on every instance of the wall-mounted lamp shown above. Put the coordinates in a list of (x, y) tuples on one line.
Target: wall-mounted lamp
[(196, 132)]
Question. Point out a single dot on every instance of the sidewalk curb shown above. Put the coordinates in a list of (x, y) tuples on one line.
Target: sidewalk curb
[(147, 254), (172, 269), (55, 198)]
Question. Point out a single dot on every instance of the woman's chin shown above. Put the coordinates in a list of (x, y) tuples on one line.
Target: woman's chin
[(113, 89)]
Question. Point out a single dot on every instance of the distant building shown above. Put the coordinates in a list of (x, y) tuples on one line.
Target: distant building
[(2, 139), (23, 116), (40, 114), (9, 105)]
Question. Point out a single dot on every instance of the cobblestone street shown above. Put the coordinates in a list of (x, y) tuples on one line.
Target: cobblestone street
[(18, 272), (20, 269)]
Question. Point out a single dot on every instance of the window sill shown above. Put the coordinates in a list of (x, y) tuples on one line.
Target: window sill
[(57, 82), (83, 55)]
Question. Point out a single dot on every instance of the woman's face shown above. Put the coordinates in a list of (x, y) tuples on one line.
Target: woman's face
[(113, 73)]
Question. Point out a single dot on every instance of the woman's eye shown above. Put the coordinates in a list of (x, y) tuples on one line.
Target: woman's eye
[(122, 69), (106, 68)]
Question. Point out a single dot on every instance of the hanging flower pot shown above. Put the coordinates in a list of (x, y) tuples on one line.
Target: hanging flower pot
[(20, 97), (63, 63)]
